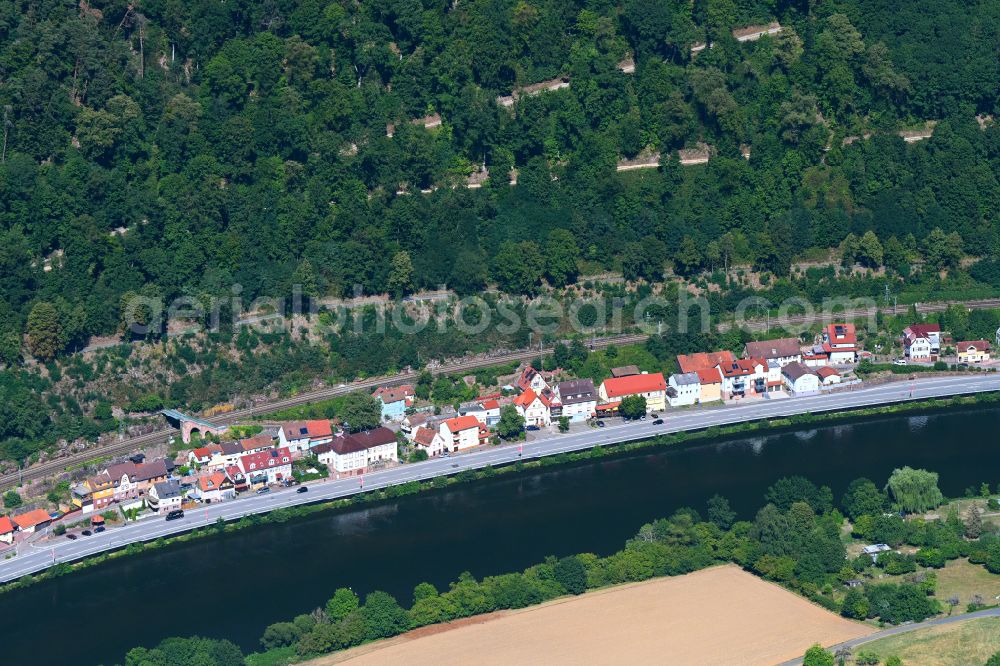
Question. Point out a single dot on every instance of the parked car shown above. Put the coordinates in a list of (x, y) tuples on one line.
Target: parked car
[(263, 491), (899, 361), (642, 418), (175, 514), (71, 537), (454, 464), (654, 415), (85, 533), (531, 427), (303, 489), (658, 422), (98, 529), (445, 455), (600, 424)]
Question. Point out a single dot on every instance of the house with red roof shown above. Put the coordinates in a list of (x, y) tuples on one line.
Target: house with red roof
[(256, 444), (973, 351), (840, 342), (33, 520), (299, 436), (492, 408), (215, 487), (703, 360), (267, 467), (463, 432), (358, 452), (710, 384), (922, 342), (536, 408), (651, 386), (430, 440), (531, 379), (743, 377), (7, 529), (203, 454), (827, 376)]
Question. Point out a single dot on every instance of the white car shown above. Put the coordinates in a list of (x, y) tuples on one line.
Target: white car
[(900, 361)]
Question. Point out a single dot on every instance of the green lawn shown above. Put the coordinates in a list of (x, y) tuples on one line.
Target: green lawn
[(962, 644)]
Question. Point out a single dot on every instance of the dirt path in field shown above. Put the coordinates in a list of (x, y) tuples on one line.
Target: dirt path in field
[(717, 616)]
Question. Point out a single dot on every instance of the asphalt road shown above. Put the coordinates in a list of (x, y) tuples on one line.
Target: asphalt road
[(904, 629), (37, 557)]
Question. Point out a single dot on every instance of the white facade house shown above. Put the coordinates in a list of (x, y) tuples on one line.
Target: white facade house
[(782, 350), (300, 436), (461, 432), (683, 389), (164, 497), (800, 379), (267, 467), (922, 342), (536, 408), (429, 440), (578, 398), (358, 452)]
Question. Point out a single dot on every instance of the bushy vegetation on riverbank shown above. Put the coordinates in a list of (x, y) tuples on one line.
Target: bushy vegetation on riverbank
[(797, 539)]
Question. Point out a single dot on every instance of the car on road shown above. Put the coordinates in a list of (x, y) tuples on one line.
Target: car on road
[(642, 418), (445, 455), (531, 427), (303, 489), (899, 361), (98, 529), (658, 422), (175, 514), (85, 533), (263, 491), (600, 424), (454, 464), (654, 415), (71, 537)]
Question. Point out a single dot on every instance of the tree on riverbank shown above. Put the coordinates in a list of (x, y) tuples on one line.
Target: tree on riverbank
[(914, 490)]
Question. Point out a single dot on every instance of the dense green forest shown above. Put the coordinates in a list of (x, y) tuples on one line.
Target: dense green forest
[(176, 148)]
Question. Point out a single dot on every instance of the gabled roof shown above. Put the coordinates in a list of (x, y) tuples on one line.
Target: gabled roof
[(425, 436), (709, 376), (685, 378), (256, 442), (32, 518), (625, 371), (702, 360), (740, 367), (826, 371), (768, 349), (391, 394), (978, 345), (491, 404), (922, 330), (369, 439), (460, 423), (575, 391), (617, 387), (527, 376), (152, 470), (255, 462), (231, 448), (841, 334), (167, 489), (315, 429), (211, 481), (796, 370), (6, 526)]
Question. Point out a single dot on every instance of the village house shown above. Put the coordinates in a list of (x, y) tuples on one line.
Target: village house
[(93, 494), (710, 385), (413, 421), (358, 452), (239, 479), (782, 350), (229, 454), (815, 356), (652, 387), (683, 389), (742, 377), (429, 440), (462, 432), (534, 407), (473, 409), (7, 530), (491, 407), (973, 351), (300, 436), (625, 371), (922, 342), (256, 444), (214, 487), (131, 482), (267, 467), (394, 401), (164, 497), (840, 342), (578, 398), (827, 376), (800, 379), (32, 521), (703, 360), (203, 454), (531, 379)]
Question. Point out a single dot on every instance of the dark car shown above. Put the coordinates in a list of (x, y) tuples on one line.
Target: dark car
[(85, 533), (654, 415), (303, 489), (98, 529), (175, 514), (658, 422), (264, 491), (600, 424), (71, 537), (454, 464)]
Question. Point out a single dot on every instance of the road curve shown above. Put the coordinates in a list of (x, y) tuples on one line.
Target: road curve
[(35, 558)]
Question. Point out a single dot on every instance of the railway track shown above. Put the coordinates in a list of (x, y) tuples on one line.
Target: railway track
[(131, 444)]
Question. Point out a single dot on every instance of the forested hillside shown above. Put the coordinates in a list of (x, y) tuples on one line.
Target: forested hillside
[(177, 147)]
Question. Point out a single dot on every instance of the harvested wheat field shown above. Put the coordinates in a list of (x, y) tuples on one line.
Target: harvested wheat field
[(721, 615)]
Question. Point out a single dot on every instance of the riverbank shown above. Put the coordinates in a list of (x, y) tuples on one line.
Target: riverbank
[(375, 493), (720, 615)]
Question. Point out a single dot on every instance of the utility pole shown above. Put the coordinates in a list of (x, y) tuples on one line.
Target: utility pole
[(6, 128)]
